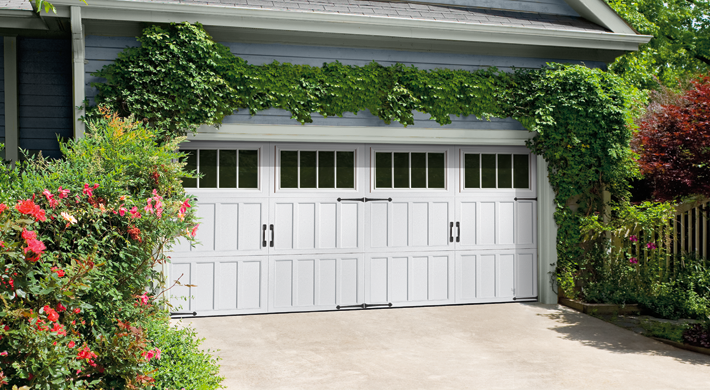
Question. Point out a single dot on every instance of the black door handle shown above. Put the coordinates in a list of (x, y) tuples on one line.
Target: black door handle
[(458, 232), (451, 232), (353, 199), (263, 236), (271, 227)]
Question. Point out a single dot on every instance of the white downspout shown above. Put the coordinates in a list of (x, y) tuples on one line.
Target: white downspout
[(547, 235), (79, 55)]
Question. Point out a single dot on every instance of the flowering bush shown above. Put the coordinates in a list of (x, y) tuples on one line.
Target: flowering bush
[(80, 241), (628, 260)]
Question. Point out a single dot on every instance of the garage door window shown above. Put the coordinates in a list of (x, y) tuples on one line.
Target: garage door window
[(496, 170), (305, 169), (223, 168), (410, 170)]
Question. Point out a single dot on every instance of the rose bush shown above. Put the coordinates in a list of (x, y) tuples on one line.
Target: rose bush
[(82, 241)]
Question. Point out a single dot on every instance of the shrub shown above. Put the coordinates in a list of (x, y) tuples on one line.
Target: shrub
[(80, 239), (698, 334), (182, 365), (627, 261), (673, 142)]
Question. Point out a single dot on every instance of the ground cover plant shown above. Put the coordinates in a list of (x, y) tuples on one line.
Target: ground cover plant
[(80, 241)]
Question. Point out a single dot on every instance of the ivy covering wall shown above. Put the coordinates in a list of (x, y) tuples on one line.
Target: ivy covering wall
[(179, 79)]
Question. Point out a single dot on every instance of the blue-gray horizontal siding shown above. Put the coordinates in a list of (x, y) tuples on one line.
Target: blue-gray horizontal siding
[(45, 91), (101, 51), (2, 94)]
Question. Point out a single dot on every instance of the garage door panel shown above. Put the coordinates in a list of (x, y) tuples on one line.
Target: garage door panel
[(409, 280), (495, 224), (221, 285), (205, 233), (526, 275), (315, 226), (495, 276), (527, 222), (317, 282), (409, 224)]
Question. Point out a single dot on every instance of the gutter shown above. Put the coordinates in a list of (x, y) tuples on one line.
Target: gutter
[(21, 19), (328, 23)]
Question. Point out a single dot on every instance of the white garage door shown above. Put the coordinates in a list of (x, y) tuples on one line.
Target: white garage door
[(303, 227)]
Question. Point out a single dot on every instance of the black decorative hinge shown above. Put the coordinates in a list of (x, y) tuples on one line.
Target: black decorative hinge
[(364, 305)]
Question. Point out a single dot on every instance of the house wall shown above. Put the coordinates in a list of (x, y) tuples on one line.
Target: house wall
[(45, 93), (2, 96), (101, 51)]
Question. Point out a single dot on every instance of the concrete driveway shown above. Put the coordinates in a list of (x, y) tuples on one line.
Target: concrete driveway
[(503, 346)]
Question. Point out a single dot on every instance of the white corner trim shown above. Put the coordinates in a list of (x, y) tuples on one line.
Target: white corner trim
[(547, 234), (12, 128), (327, 23), (79, 55), (599, 12), (361, 134)]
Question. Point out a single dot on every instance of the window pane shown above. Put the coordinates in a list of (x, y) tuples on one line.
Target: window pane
[(383, 170), (505, 171), (472, 171), (488, 171), (418, 170), (437, 170), (289, 169), (227, 169), (326, 169), (191, 165), (346, 169), (249, 169), (308, 169), (401, 170), (208, 168), (521, 171)]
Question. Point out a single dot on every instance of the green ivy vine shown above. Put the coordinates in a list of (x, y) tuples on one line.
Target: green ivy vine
[(179, 78)]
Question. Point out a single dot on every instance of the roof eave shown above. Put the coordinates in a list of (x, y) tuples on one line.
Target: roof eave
[(328, 23)]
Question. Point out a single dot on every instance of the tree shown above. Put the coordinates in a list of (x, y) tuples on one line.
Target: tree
[(673, 142), (680, 47)]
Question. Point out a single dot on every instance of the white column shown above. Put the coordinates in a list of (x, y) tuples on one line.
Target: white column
[(547, 234), (12, 123), (77, 39)]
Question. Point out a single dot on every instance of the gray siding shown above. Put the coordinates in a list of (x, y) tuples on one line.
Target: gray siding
[(103, 50), (2, 95), (45, 93)]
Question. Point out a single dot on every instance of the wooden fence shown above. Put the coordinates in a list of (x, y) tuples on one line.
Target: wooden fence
[(690, 233)]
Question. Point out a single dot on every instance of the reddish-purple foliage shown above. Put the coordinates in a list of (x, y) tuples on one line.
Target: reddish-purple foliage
[(673, 142), (698, 335)]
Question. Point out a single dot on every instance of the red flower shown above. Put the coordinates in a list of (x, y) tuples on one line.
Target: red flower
[(89, 191), (71, 344), (60, 307), (25, 206), (85, 353), (134, 213), (135, 234), (53, 203), (77, 311), (3, 207), (59, 329), (185, 205), (60, 272), (34, 250), (51, 314), (194, 230), (62, 193), (122, 210), (28, 234)]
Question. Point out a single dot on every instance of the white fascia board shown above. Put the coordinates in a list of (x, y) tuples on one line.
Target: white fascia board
[(366, 26), (599, 12), (21, 19), (361, 134)]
